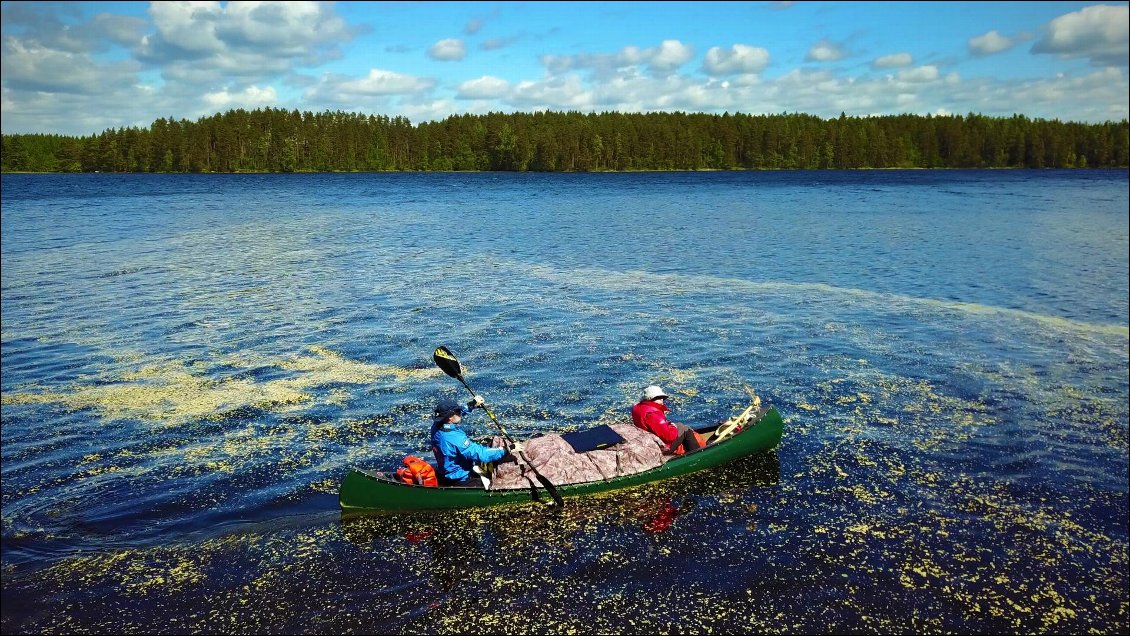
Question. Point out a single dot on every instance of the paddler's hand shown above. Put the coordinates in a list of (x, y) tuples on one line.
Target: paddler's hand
[(516, 448), (477, 401)]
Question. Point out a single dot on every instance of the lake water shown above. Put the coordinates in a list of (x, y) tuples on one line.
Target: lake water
[(191, 363)]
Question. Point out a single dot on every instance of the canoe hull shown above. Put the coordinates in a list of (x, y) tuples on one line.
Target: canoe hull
[(362, 490)]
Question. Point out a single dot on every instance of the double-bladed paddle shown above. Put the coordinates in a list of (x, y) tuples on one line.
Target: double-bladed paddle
[(449, 364)]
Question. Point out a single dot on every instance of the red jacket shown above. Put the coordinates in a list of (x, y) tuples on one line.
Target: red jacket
[(652, 417)]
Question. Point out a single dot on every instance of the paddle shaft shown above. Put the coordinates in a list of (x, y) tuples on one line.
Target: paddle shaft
[(549, 487), (489, 414)]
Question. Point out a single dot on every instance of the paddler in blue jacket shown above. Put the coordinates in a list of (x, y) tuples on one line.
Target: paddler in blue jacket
[(455, 453)]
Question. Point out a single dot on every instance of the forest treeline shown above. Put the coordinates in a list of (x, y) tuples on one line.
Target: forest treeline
[(279, 140)]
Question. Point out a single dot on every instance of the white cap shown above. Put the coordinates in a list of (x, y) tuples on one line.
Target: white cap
[(652, 392)]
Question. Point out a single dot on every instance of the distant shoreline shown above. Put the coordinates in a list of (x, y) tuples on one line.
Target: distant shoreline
[(269, 141), (313, 172)]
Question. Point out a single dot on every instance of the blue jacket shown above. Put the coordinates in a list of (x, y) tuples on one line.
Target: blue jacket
[(456, 453)]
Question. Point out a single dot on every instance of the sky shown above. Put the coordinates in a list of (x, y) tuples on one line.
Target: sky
[(78, 68)]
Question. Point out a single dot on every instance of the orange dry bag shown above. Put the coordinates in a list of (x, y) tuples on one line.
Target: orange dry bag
[(417, 471)]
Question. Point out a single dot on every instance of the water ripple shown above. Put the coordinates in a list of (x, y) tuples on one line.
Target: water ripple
[(190, 363)]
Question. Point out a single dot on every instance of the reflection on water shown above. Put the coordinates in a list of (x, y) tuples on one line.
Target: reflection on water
[(637, 506), (191, 364)]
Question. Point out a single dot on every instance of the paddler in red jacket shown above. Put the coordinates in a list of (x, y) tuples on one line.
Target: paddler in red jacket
[(650, 414)]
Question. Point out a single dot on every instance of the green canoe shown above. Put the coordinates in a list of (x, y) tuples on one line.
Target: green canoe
[(363, 490)]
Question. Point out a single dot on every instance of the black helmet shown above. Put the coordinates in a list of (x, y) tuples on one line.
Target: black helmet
[(445, 409)]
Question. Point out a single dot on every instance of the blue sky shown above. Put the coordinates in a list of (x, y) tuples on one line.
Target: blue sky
[(77, 68)]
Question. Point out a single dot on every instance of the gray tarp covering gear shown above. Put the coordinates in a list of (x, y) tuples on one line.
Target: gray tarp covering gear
[(555, 459)]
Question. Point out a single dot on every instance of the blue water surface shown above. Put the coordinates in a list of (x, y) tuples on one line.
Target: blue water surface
[(191, 363)]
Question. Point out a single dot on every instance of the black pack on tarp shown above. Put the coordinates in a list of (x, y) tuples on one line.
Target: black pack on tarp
[(591, 439)]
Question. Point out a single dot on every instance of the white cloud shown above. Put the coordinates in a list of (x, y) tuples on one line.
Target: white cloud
[(38, 25), (927, 73), (555, 93), (202, 46), (266, 35), (381, 82), (896, 60), (377, 83), (919, 90), (1100, 96), (739, 59), (285, 28), (633, 56), (120, 29), (189, 27), (1100, 32), (640, 92), (667, 57), (825, 51), (250, 97), (195, 30), (82, 114), (447, 50), (989, 43), (671, 55), (485, 87), (747, 79), (28, 66), (419, 110)]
